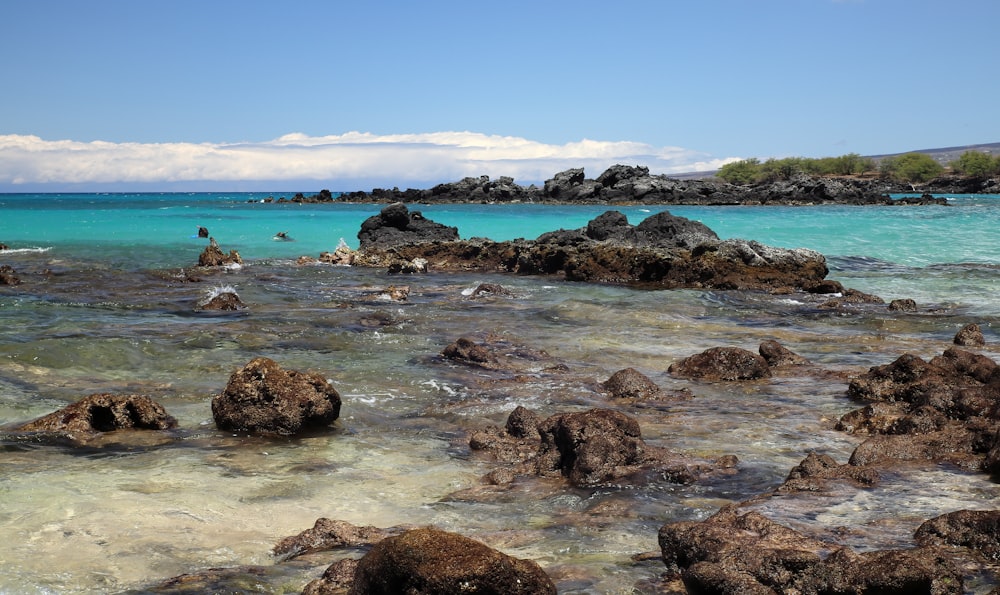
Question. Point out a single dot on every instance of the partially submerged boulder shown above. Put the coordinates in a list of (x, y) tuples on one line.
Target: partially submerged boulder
[(970, 335), (430, 561), (630, 384), (942, 410), (722, 363), (733, 554), (213, 256), (264, 398), (328, 534), (8, 276), (103, 412)]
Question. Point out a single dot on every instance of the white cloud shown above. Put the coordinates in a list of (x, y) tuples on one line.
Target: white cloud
[(336, 161)]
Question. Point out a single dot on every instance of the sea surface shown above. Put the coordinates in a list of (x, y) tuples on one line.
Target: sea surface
[(106, 304)]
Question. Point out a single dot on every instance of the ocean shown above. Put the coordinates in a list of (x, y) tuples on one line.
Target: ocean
[(106, 305)]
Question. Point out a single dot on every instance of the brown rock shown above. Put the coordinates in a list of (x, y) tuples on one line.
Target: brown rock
[(777, 355), (722, 363), (263, 398), (730, 553), (903, 305), (630, 384), (434, 562), (328, 534), (212, 256), (970, 335), (590, 447), (978, 530), (7, 276), (104, 412)]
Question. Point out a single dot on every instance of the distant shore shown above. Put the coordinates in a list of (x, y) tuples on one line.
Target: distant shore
[(634, 185)]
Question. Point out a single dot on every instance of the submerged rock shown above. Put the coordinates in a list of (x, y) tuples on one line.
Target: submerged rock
[(8, 276), (429, 561), (264, 398), (103, 412)]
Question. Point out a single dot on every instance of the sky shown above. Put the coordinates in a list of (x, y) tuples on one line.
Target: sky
[(248, 95)]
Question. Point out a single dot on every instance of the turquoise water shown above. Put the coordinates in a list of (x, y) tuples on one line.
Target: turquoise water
[(104, 307)]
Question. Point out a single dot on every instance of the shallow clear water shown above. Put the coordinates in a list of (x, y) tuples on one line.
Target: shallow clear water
[(112, 313)]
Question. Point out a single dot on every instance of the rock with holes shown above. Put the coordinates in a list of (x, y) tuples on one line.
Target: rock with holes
[(103, 412)]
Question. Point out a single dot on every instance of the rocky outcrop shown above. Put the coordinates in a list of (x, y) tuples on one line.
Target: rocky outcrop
[(663, 251), (430, 561), (213, 256), (942, 410), (395, 225), (624, 184), (103, 412), (264, 398), (732, 553), (497, 352), (978, 530)]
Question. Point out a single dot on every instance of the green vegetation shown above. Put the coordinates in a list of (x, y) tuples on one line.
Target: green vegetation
[(913, 168), (976, 164), (749, 171)]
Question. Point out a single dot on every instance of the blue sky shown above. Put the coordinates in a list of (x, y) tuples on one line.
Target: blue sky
[(259, 95)]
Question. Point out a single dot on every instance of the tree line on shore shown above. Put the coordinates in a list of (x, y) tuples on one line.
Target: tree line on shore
[(908, 167)]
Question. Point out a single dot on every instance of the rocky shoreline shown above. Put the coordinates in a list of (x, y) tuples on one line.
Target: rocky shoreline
[(944, 411), (629, 185)]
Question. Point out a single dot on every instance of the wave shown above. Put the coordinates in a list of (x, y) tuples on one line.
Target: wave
[(35, 250)]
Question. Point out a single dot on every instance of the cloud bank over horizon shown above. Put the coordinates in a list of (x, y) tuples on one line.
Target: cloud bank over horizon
[(350, 161)]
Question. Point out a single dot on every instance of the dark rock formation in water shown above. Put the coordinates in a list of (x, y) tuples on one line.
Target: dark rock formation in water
[(264, 398), (496, 352), (396, 225), (942, 410), (662, 251), (213, 256), (737, 554), (722, 363), (8, 276), (104, 412), (223, 301), (430, 561), (623, 184)]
